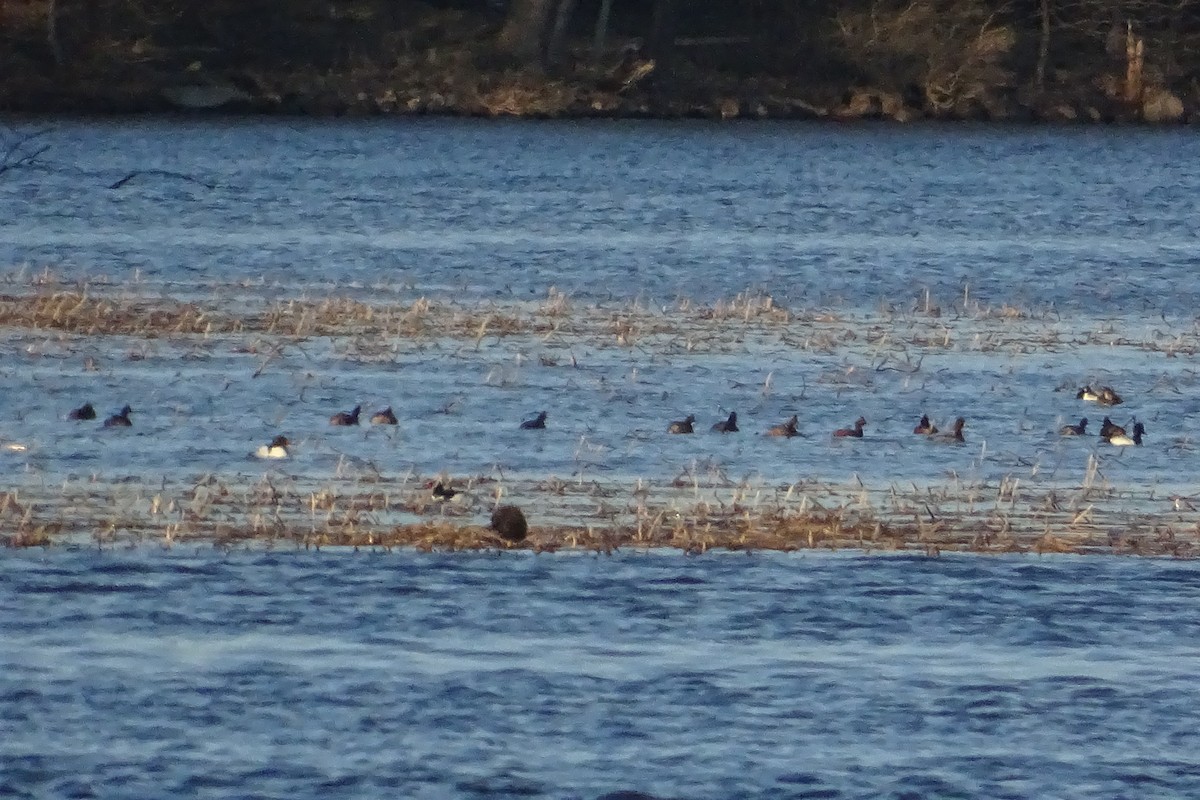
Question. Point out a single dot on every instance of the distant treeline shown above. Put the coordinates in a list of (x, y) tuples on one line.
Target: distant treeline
[(933, 53)]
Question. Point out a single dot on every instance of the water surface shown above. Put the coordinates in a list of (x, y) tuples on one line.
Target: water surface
[(324, 675)]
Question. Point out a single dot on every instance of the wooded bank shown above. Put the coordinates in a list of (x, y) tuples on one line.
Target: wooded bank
[(1059, 60)]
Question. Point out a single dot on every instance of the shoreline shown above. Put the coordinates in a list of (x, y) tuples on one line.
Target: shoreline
[(551, 100)]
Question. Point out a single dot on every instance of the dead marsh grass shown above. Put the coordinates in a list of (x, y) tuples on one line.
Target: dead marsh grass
[(892, 340), (591, 516)]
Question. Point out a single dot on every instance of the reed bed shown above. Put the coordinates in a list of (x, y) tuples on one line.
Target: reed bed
[(592, 516), (895, 338)]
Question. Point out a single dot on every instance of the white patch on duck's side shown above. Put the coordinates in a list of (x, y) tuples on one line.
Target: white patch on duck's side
[(278, 448)]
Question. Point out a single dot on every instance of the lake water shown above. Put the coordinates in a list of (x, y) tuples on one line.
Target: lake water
[(1095, 220), (199, 672), (1088, 234), (300, 675)]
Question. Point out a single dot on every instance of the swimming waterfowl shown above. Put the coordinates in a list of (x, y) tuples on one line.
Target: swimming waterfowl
[(537, 422), (385, 417), (1105, 395), (728, 425), (786, 429), (1122, 440), (1109, 429), (443, 492), (509, 522), (278, 448), (925, 427), (856, 431), (1074, 430), (85, 411), (346, 417), (683, 425), (953, 436), (120, 420)]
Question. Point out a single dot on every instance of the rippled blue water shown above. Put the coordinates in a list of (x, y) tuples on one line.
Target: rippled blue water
[(147, 673), (1097, 223), (327, 675), (1075, 218)]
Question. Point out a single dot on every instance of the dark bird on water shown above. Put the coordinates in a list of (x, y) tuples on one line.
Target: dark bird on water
[(537, 422), (120, 420), (1074, 430), (954, 436), (925, 427), (683, 425), (728, 425), (443, 492), (785, 429), (509, 523), (855, 432), (346, 417), (1109, 429), (85, 411), (385, 417)]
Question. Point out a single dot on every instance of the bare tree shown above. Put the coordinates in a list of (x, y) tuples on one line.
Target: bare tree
[(524, 33), (954, 50)]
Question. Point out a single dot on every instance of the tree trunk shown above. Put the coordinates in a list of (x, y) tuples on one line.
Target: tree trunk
[(557, 47), (524, 30), (1039, 77), (52, 38), (601, 29)]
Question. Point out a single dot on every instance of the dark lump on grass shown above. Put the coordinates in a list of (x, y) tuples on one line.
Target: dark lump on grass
[(509, 523)]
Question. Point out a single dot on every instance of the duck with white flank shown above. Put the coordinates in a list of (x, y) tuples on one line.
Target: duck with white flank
[(1105, 396), (686, 425), (278, 448), (1123, 440), (384, 417)]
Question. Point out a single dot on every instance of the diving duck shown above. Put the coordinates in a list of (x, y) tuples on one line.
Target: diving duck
[(120, 420), (342, 418), (685, 425), (785, 429), (536, 423), (727, 425), (855, 432)]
